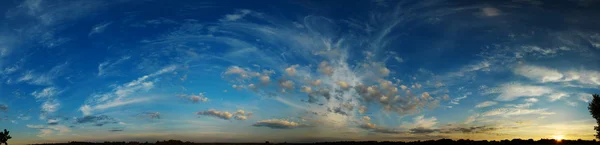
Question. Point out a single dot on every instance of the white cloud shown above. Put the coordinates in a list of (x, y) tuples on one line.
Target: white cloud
[(543, 74), (485, 104), (489, 11), (480, 66), (45, 93), (44, 78), (512, 91), (106, 68), (587, 77), (50, 106), (456, 101), (99, 28), (557, 96), (238, 15), (420, 122), (531, 100), (539, 73), (195, 98), (241, 117), (291, 71), (122, 94)]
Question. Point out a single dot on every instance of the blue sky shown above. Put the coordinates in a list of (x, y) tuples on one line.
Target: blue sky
[(297, 71)]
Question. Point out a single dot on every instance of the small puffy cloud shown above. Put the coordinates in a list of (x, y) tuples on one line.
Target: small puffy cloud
[(45, 93), (485, 104), (538, 73), (306, 89), (509, 92), (315, 83), (286, 84), (490, 12), (198, 98), (265, 79), (218, 114), (383, 71), (342, 84), (239, 73), (403, 87), (277, 124), (291, 71), (362, 109), (426, 96), (416, 86), (446, 97)]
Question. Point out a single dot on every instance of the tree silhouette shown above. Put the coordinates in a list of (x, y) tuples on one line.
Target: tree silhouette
[(594, 108), (4, 137)]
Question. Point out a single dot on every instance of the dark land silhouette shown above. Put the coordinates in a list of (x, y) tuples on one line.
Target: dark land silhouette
[(427, 142)]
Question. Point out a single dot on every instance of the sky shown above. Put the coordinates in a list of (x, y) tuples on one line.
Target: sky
[(297, 71)]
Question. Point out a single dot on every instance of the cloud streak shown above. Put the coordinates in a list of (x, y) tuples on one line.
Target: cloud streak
[(123, 94)]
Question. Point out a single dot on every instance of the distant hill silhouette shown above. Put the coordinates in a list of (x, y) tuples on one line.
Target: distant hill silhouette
[(427, 142)]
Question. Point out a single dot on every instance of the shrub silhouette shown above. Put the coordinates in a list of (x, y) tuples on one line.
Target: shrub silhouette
[(4, 137), (594, 108)]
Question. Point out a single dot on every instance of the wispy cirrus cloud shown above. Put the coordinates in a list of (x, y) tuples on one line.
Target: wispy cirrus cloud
[(508, 112), (486, 104), (99, 28), (236, 16), (108, 67), (512, 91), (122, 94), (45, 78)]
